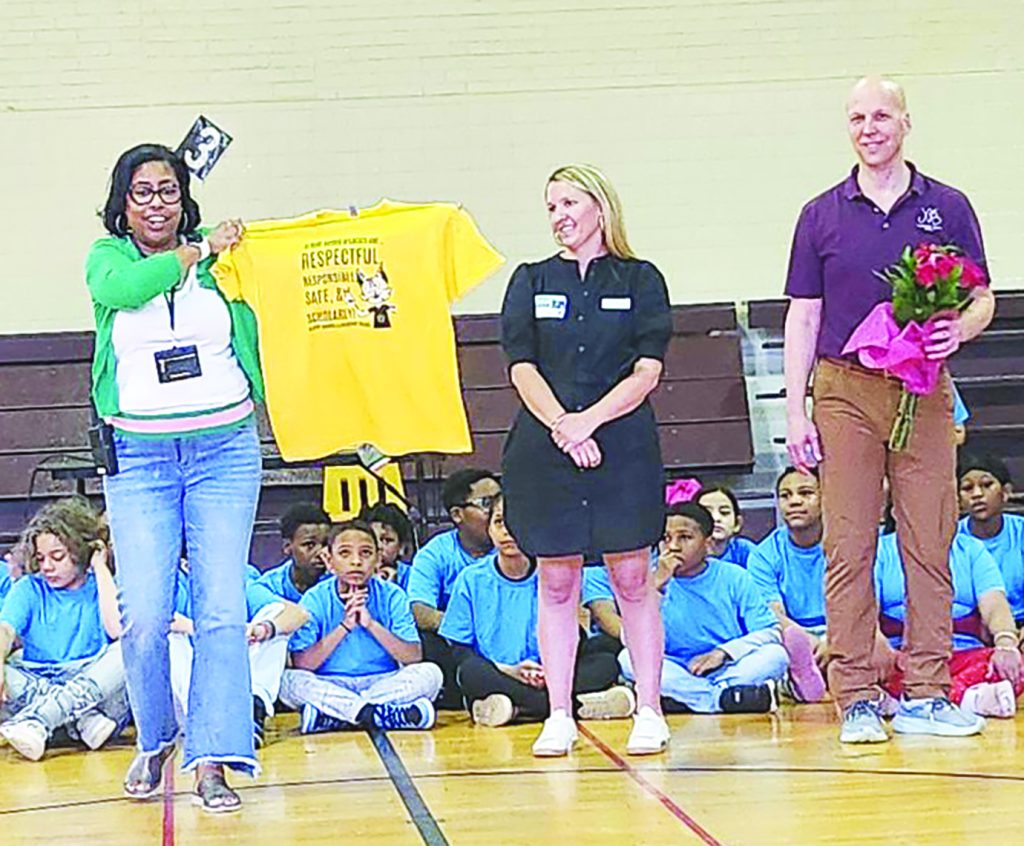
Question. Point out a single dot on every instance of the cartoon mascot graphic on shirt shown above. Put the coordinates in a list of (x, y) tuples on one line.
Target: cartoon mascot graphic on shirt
[(377, 293)]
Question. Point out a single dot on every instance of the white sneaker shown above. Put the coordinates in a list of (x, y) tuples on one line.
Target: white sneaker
[(95, 728), (27, 737), (615, 703), (494, 710), (557, 737), (650, 734)]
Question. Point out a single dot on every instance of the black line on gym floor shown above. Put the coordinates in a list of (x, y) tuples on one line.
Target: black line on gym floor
[(545, 771), (425, 823)]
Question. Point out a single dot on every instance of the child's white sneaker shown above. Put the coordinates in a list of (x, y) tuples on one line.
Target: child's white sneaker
[(95, 728), (557, 737), (494, 710), (650, 734), (27, 737), (615, 703)]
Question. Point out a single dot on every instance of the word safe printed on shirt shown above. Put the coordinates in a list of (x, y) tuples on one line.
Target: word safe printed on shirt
[(356, 338)]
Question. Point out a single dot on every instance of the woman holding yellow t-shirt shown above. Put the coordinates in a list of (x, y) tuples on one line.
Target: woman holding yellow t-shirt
[(175, 371)]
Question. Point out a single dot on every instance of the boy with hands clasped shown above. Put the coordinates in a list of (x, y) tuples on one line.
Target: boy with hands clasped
[(358, 661)]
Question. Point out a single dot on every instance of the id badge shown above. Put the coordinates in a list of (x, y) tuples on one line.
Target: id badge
[(176, 364), (616, 303), (550, 306)]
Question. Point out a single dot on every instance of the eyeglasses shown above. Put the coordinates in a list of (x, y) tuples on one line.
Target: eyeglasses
[(484, 503), (143, 194)]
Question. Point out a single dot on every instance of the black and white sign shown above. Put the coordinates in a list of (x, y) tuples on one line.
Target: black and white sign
[(203, 147)]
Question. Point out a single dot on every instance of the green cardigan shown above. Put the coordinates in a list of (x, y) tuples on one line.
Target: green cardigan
[(118, 277)]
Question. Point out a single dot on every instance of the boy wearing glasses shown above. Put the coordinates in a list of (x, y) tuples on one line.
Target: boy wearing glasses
[(468, 496)]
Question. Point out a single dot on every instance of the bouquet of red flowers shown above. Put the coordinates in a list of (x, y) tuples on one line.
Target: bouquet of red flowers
[(928, 282)]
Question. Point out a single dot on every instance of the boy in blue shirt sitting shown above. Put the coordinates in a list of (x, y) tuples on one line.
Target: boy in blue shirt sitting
[(491, 622), (468, 496), (722, 643), (395, 536), (985, 488), (64, 611), (789, 569), (303, 532), (357, 662)]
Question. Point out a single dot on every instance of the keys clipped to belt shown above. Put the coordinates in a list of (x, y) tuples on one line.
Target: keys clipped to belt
[(177, 363)]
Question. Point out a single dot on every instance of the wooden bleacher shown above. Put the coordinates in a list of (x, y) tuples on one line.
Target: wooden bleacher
[(989, 373), (701, 407)]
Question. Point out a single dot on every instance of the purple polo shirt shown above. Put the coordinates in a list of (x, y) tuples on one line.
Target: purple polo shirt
[(842, 239)]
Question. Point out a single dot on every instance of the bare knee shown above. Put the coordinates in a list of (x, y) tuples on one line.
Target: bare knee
[(560, 582), (630, 577)]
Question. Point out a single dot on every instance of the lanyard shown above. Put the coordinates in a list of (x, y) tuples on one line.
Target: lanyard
[(169, 299)]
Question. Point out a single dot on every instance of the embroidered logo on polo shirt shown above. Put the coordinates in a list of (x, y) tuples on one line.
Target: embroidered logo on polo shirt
[(929, 219)]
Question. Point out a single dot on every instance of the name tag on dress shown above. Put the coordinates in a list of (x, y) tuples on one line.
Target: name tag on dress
[(550, 306), (616, 303)]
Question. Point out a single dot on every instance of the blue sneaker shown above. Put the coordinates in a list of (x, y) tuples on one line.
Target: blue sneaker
[(315, 721), (418, 714), (935, 715), (862, 724)]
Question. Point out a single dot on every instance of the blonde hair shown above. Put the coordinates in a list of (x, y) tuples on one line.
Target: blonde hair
[(591, 180)]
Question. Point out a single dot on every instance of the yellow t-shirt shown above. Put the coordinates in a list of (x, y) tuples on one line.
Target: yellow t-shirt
[(356, 337)]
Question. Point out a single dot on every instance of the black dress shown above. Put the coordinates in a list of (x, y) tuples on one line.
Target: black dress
[(585, 336)]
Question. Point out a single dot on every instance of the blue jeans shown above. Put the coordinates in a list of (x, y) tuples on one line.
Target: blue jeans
[(59, 694), (202, 488)]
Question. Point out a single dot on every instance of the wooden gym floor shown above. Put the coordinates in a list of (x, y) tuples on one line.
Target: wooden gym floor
[(739, 780)]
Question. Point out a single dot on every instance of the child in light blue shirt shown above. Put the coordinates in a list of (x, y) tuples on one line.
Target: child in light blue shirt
[(722, 643), (789, 568), (491, 622), (985, 488), (984, 681), (64, 612), (358, 661), (726, 542)]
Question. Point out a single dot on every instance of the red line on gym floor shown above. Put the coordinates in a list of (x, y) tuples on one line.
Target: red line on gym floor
[(663, 798), (169, 802)]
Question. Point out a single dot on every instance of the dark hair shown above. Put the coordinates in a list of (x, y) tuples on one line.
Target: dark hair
[(728, 494), (351, 526), (790, 470), (987, 463), (457, 486), (73, 521), (390, 515), (113, 215), (302, 514), (696, 512)]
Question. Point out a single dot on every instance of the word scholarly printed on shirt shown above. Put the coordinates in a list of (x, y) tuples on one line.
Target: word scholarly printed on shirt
[(355, 330)]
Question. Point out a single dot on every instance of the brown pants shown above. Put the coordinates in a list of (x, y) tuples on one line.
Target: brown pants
[(854, 409)]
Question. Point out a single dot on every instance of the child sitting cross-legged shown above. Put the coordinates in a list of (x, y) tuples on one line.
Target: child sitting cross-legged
[(358, 661), (722, 642), (64, 612), (491, 623)]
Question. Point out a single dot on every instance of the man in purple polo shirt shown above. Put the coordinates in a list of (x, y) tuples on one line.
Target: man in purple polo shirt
[(843, 237)]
